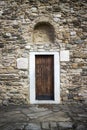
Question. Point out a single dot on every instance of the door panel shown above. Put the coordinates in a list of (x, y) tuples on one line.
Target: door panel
[(44, 73)]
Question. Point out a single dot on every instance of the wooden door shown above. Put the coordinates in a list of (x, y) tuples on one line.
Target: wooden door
[(44, 66)]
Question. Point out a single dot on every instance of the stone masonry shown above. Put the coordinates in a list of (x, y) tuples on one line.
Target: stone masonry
[(71, 116), (42, 25)]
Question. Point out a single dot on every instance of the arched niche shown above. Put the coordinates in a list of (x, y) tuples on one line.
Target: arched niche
[(43, 33)]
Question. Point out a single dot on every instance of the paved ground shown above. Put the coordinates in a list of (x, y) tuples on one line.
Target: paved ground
[(44, 117)]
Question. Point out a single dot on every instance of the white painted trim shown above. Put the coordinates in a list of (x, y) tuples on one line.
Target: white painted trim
[(56, 78)]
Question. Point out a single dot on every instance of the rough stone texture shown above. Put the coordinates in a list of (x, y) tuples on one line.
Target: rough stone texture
[(33, 126), (22, 63), (65, 125), (20, 117), (43, 25)]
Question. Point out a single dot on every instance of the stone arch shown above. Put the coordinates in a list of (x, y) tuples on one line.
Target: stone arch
[(43, 33)]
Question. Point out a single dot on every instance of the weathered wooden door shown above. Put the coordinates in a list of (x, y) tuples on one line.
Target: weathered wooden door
[(44, 66)]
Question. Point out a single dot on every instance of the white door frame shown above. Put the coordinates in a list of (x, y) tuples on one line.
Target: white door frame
[(56, 78)]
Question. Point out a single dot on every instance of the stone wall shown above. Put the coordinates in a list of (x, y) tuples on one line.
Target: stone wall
[(21, 21)]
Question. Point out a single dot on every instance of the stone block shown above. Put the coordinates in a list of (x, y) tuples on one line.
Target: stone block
[(74, 65), (28, 47), (64, 55), (22, 63), (73, 33), (81, 127), (34, 10), (65, 125), (53, 125), (45, 125), (56, 19), (33, 126), (1, 12)]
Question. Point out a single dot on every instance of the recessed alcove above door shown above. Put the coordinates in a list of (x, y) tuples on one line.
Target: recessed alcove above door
[(43, 33)]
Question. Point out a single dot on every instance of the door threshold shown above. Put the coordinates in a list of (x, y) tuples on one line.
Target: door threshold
[(45, 102)]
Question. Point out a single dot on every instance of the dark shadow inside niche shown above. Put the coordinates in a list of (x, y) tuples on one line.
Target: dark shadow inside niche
[(43, 33)]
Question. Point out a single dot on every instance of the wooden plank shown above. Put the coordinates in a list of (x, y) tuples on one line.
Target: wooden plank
[(44, 77)]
